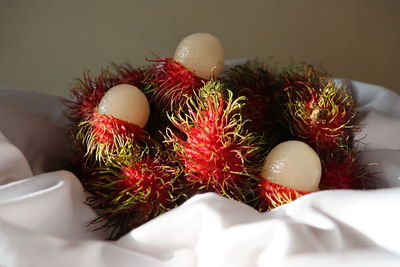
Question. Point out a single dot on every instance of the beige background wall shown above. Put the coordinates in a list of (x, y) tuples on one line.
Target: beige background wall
[(44, 44)]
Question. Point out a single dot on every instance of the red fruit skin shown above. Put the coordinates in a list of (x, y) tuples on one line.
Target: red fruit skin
[(214, 148), (345, 174), (205, 154), (319, 112), (105, 129), (272, 195), (86, 95), (128, 195), (129, 75), (324, 131), (258, 84), (150, 182), (256, 109), (104, 137), (170, 81)]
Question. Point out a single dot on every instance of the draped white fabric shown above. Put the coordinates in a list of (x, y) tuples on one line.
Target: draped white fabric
[(43, 218)]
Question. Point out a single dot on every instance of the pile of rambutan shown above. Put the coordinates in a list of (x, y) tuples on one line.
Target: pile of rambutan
[(205, 133)]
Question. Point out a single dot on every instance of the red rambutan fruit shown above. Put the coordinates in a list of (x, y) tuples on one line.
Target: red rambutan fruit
[(256, 83), (319, 112), (216, 151), (149, 180), (105, 136), (130, 192), (347, 173), (127, 74), (97, 135), (168, 82), (89, 90), (86, 95), (272, 195), (290, 169)]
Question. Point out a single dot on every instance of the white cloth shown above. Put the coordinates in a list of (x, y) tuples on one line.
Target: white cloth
[(43, 220)]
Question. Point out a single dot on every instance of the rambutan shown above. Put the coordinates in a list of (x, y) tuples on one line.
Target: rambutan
[(168, 81), (261, 87), (127, 74), (97, 135), (105, 136), (290, 169), (89, 90), (216, 151), (256, 83), (346, 173), (86, 95), (319, 112), (272, 195), (130, 192)]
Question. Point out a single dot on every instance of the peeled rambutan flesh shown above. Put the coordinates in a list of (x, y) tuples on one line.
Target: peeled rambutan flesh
[(290, 169), (201, 53)]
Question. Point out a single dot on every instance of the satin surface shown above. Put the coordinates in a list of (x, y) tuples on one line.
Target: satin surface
[(44, 221)]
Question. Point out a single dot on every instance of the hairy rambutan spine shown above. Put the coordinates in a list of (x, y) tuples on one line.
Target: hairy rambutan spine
[(86, 95), (345, 173), (272, 195), (127, 74), (214, 147), (260, 85), (255, 82), (319, 112), (169, 82), (105, 137), (129, 192)]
